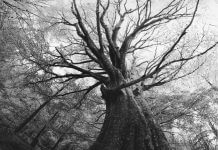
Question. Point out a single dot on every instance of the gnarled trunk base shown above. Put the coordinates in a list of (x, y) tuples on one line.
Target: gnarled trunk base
[(128, 127)]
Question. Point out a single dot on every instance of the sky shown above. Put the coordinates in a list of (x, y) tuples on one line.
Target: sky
[(209, 11), (208, 17)]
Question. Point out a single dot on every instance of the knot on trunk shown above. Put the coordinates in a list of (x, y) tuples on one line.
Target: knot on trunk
[(110, 95)]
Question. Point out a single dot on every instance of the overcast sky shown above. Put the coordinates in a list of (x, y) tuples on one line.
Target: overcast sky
[(208, 12)]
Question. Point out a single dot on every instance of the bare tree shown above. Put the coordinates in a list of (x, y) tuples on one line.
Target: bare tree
[(100, 48)]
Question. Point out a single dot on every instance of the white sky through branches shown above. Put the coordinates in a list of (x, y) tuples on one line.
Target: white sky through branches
[(207, 19)]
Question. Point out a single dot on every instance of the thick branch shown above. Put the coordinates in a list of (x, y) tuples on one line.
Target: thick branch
[(91, 45), (99, 26)]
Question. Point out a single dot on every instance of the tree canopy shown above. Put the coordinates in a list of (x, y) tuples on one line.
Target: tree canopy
[(96, 85)]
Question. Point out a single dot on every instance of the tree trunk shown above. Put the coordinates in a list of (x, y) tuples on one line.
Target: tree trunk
[(127, 126), (36, 139), (28, 119)]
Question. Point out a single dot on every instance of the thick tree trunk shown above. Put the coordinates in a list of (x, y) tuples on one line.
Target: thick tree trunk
[(128, 126)]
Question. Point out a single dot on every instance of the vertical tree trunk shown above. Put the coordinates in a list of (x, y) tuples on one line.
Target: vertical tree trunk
[(127, 126)]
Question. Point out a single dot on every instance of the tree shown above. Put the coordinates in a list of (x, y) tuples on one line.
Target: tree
[(101, 48)]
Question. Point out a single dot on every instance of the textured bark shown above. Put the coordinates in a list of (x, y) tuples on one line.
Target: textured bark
[(127, 126)]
